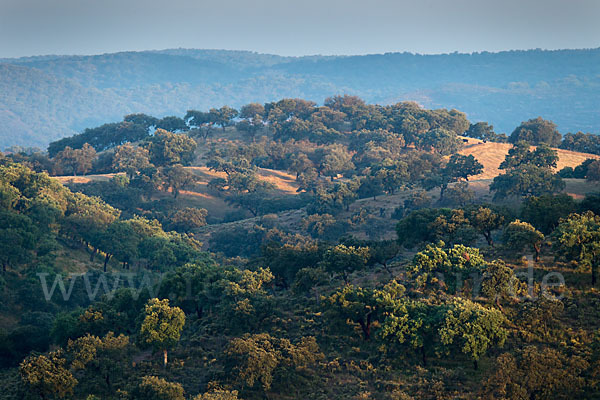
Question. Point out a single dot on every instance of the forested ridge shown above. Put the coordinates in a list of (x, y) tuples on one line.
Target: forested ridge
[(290, 250), (49, 97)]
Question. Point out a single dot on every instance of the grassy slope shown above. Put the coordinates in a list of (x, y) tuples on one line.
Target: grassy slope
[(489, 154), (201, 195)]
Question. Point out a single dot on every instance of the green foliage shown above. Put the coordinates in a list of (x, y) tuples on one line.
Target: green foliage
[(499, 282), (416, 200), (178, 178), (162, 325), (218, 393), (87, 349), (187, 219), (442, 141), (539, 317), (407, 323), (520, 154), (74, 91), (155, 388), (579, 172), (472, 328), (519, 235), (231, 298), (416, 227), (591, 202), (345, 259), (256, 358), (324, 226), (285, 260), (485, 132), (528, 173), (435, 265), (167, 148), (172, 124), (131, 159), (593, 172), (582, 142), (74, 161), (354, 305), (544, 212), (453, 229), (540, 373), (485, 221), (272, 286), (17, 238), (101, 138), (577, 237), (47, 375), (460, 194), (536, 131), (528, 181)]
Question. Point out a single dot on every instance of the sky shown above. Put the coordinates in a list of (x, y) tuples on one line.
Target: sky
[(295, 28)]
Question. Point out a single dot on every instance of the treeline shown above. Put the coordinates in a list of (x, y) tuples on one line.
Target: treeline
[(339, 116)]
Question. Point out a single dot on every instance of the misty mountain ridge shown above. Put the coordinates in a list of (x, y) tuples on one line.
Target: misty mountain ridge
[(44, 98)]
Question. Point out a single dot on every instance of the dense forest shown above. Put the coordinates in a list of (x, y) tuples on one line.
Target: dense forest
[(47, 98), (290, 250)]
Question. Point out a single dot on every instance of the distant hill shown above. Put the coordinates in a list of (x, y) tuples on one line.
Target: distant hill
[(48, 97)]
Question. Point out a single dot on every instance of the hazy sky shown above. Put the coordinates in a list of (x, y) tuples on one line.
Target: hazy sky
[(34, 27)]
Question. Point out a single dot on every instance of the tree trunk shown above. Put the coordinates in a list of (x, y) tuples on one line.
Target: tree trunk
[(442, 191), (93, 254), (165, 358), (424, 356), (106, 259), (199, 311), (488, 237), (498, 303), (475, 364), (537, 249), (366, 327)]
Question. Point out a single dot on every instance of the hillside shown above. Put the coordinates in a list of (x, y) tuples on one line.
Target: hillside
[(201, 196), (371, 282), (45, 98)]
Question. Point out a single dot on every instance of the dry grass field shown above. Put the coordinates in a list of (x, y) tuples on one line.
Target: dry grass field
[(491, 156), (200, 195)]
